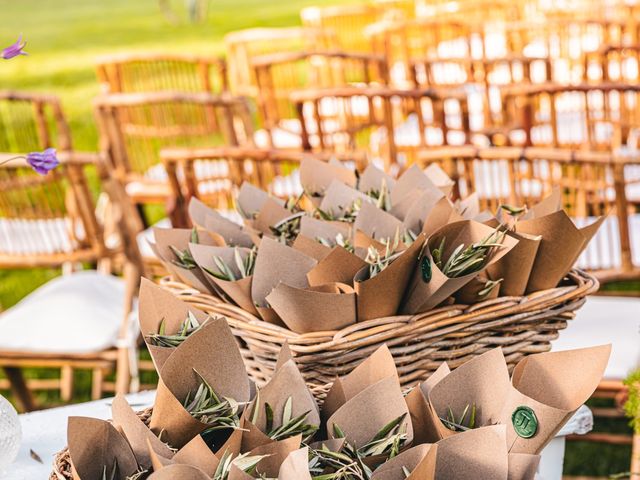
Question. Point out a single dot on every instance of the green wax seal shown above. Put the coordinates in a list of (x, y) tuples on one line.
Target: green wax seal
[(525, 422), (425, 268)]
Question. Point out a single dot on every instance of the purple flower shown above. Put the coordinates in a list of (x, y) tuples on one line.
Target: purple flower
[(43, 162), (15, 49)]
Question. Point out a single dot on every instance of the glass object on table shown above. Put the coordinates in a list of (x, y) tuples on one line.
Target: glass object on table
[(10, 434)]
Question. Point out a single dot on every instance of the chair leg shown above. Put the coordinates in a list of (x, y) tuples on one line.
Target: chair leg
[(66, 383), (122, 371), (97, 379), (20, 389), (635, 458)]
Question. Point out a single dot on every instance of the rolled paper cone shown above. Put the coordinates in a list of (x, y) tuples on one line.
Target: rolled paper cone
[(401, 209), (364, 415), (469, 207), (95, 444), (550, 204), (372, 179), (430, 287), (430, 212), (523, 466), (198, 454), (362, 242), (180, 238), (377, 223), (340, 197), (276, 453), (179, 472), (321, 308), (277, 263), (425, 423), (339, 266), (439, 178), (231, 233), (239, 291), (311, 247), (269, 315), (136, 432), (419, 460), (250, 200), (474, 454), (412, 179), (470, 293), (212, 352), (532, 411), (156, 305), (198, 212), (295, 466), (316, 175), (561, 245), (381, 295), (236, 474), (378, 366), (314, 228)]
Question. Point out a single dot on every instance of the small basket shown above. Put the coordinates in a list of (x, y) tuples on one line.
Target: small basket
[(418, 343)]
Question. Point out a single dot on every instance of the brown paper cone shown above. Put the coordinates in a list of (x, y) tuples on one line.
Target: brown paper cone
[(412, 179), (316, 175), (94, 444), (424, 294), (325, 307), (377, 223), (232, 234), (295, 466), (372, 179), (277, 453), (424, 421), (439, 178), (155, 305), (311, 247), (250, 200), (419, 460), (523, 466), (416, 217), (179, 472), (313, 228), (339, 266), (340, 197), (238, 291), (269, 215), (381, 295)]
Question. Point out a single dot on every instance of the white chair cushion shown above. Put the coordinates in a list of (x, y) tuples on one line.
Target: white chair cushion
[(601, 320), (77, 313)]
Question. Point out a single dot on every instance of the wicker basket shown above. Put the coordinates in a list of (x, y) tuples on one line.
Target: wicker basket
[(419, 343)]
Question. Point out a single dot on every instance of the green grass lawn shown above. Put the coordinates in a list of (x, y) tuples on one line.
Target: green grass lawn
[(65, 36)]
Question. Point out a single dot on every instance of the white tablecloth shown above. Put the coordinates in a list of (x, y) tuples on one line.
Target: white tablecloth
[(45, 432)]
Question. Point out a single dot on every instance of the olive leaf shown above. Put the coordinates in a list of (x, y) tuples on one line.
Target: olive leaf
[(218, 413), (290, 427), (161, 339), (339, 240), (467, 259), (348, 214), (458, 425), (245, 267), (245, 462)]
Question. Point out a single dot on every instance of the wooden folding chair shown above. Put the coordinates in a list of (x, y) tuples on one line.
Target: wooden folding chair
[(155, 72), (243, 45), (135, 127), (50, 221), (280, 74)]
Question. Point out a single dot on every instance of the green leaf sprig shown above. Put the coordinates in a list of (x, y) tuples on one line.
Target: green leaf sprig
[(218, 413), (245, 267), (458, 424), (187, 327), (340, 465), (347, 215), (245, 462), (184, 258), (381, 196), (467, 259), (340, 240), (379, 261), (290, 426), (287, 229), (489, 286)]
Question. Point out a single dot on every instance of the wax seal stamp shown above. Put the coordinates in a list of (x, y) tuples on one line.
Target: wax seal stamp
[(525, 422)]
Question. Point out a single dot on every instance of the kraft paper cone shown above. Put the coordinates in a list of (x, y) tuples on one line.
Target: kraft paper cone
[(250, 200), (321, 308), (231, 233), (427, 209), (339, 266), (373, 178), (340, 197), (424, 295), (554, 385), (412, 179), (515, 267), (240, 290), (179, 472), (469, 207), (362, 242), (236, 474), (362, 417), (439, 178), (287, 382), (470, 293), (419, 460), (180, 238), (137, 433), (206, 218), (269, 215), (276, 453), (316, 175), (561, 245), (197, 453), (547, 206), (377, 223), (381, 295), (295, 466), (277, 263), (483, 381), (313, 228), (474, 454), (311, 247), (523, 466), (212, 352), (425, 423), (156, 304), (94, 444), (401, 209), (378, 366)]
